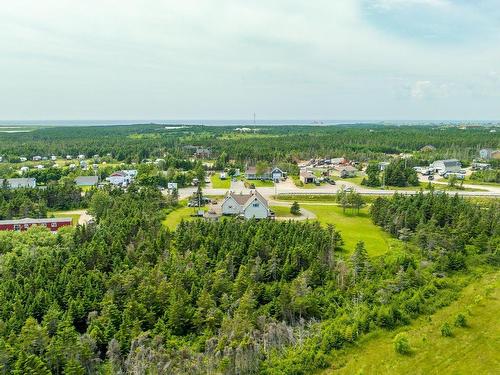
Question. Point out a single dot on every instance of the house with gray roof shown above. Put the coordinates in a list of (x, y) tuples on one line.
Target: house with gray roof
[(446, 166), (248, 205), (86, 181)]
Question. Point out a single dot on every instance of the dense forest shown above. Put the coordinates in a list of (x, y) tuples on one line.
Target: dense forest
[(134, 143), (126, 295), (34, 203)]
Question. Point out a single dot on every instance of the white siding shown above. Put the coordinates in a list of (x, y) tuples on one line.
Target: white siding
[(256, 210), (230, 207)]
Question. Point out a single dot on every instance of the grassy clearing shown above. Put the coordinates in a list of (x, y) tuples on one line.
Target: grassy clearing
[(176, 216), (472, 350), (354, 228), (217, 183), (73, 216), (260, 183), (282, 211)]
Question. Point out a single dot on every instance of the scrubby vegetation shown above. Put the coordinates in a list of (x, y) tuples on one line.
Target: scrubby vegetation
[(128, 295)]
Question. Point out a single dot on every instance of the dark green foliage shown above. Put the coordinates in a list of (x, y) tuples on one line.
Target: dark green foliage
[(19, 203), (128, 296), (446, 330), (460, 321), (402, 344), (295, 208)]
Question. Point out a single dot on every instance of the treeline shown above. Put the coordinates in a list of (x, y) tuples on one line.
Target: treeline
[(443, 226), (274, 144), (34, 203)]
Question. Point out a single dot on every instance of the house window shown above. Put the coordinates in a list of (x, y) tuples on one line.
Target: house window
[(26, 225), (53, 225), (17, 227), (255, 204)]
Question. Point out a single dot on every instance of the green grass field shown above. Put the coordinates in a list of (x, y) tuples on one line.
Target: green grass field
[(176, 216), (282, 211), (472, 350), (217, 183), (260, 183), (354, 228), (74, 217)]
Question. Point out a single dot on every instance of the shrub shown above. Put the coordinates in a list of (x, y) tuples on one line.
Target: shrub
[(295, 209), (446, 330), (460, 320), (402, 344)]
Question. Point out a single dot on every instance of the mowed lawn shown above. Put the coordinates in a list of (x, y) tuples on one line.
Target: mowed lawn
[(354, 228), (472, 350), (73, 216), (217, 183), (281, 211), (261, 183), (175, 217)]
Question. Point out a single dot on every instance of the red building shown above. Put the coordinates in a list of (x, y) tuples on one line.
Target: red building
[(23, 224)]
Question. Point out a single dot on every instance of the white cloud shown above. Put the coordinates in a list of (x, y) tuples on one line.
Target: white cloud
[(220, 59)]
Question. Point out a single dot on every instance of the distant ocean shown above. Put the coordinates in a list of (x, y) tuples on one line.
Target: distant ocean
[(238, 122)]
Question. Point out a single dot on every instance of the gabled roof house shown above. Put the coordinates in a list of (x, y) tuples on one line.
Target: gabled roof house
[(250, 205)]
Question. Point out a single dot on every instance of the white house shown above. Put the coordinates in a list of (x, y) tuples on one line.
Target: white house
[(37, 158), (24, 169), (14, 183), (122, 178), (119, 178), (251, 205)]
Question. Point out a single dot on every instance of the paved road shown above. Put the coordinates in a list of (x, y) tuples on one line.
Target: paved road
[(288, 187)]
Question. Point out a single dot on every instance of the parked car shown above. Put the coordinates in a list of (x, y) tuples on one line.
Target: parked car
[(430, 178)]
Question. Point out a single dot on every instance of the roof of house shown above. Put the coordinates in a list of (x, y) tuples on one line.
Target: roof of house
[(245, 199), (86, 180), (119, 174), (37, 221), (306, 173), (449, 162), (348, 168)]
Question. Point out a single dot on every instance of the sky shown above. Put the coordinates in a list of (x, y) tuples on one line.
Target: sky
[(226, 59)]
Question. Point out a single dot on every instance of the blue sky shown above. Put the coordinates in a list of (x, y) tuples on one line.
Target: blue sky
[(226, 59)]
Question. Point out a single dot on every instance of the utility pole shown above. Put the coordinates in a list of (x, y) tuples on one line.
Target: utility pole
[(254, 119)]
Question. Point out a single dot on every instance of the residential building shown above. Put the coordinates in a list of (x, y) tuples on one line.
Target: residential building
[(16, 183), (122, 178), (37, 158), (307, 177), (495, 155), (248, 206), (52, 224), (485, 153), (86, 181), (274, 174), (202, 153), (446, 166)]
